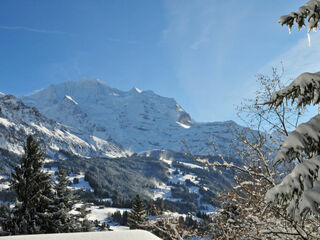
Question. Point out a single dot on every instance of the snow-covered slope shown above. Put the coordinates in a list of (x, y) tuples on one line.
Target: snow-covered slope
[(18, 120), (138, 120), (115, 235)]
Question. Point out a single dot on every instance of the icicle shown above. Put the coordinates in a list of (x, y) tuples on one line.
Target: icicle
[(309, 39), (289, 27)]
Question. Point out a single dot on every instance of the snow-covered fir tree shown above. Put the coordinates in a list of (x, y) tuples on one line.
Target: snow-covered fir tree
[(42, 206), (64, 201), (137, 215), (34, 190), (299, 191)]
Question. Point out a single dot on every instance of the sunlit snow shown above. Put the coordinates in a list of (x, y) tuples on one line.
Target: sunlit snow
[(111, 235), (183, 125), (101, 213), (82, 183), (138, 90), (71, 99), (6, 123)]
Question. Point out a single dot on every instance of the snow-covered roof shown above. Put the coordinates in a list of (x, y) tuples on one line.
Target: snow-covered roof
[(115, 235)]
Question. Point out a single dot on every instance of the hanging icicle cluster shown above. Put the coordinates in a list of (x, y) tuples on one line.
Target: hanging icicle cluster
[(309, 11)]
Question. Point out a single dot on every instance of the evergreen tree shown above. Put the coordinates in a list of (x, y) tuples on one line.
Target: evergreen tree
[(65, 195), (137, 215), (33, 188), (86, 225), (62, 220), (4, 218), (299, 191)]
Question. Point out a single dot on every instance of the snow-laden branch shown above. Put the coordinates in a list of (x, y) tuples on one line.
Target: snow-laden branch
[(305, 139), (310, 200), (309, 11), (244, 170), (305, 88), (293, 190)]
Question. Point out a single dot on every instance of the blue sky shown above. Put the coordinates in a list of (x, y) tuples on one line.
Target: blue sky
[(203, 53)]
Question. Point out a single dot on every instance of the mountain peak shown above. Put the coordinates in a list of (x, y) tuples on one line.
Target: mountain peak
[(92, 80), (138, 120)]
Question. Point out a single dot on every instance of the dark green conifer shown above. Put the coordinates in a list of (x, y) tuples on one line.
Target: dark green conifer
[(137, 215), (33, 188), (62, 220)]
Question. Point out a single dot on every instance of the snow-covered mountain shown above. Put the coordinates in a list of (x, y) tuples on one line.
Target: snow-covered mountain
[(18, 120), (138, 120), (81, 123)]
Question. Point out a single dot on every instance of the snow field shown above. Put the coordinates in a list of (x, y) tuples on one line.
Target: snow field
[(111, 235), (82, 183), (101, 214), (163, 190)]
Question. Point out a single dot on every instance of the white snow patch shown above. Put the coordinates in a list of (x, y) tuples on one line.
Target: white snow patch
[(4, 182), (138, 90), (173, 215), (47, 160), (105, 200), (6, 123), (180, 178), (177, 177), (167, 161), (161, 191), (71, 99), (42, 129), (4, 186), (191, 165), (106, 148), (183, 125), (101, 213), (82, 183)]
